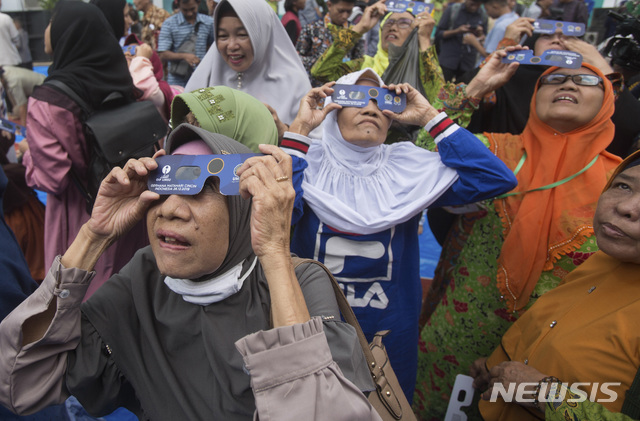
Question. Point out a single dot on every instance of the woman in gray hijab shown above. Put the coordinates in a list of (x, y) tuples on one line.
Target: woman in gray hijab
[(161, 338), (254, 54)]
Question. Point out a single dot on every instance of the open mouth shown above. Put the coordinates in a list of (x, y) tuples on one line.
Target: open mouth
[(172, 240), (566, 98), (235, 58)]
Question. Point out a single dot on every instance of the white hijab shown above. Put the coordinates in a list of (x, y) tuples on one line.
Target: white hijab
[(276, 75), (367, 190)]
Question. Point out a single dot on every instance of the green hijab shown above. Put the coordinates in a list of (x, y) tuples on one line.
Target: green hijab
[(227, 111)]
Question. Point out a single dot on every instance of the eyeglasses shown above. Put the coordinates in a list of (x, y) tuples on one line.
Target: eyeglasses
[(559, 79), (403, 23)]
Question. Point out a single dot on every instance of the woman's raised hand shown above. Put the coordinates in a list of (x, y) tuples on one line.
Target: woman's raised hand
[(590, 53), (418, 111), (425, 23), (267, 179), (371, 15), (494, 74), (518, 28), (312, 111), (123, 198)]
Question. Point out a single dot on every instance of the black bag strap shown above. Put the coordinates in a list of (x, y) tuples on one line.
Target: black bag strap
[(631, 405), (65, 89), (61, 86)]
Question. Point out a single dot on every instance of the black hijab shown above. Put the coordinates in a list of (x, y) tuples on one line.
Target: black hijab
[(113, 10), (511, 110), (86, 57)]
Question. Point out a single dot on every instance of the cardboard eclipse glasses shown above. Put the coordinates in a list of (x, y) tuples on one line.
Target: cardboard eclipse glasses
[(415, 7), (559, 58), (11, 127), (187, 174), (546, 26), (359, 96)]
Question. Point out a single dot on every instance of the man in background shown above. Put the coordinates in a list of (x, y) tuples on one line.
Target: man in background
[(317, 37), (9, 41), (501, 11), (458, 19), (310, 13), (183, 26), (19, 84)]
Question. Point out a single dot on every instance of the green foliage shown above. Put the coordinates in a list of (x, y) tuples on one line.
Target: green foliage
[(48, 4), (633, 8)]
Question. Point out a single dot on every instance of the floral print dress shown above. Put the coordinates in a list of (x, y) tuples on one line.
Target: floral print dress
[(468, 315)]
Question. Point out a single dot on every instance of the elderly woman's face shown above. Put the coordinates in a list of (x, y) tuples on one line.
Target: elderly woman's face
[(396, 29), (617, 219), (189, 235), (234, 44), (365, 127), (568, 105)]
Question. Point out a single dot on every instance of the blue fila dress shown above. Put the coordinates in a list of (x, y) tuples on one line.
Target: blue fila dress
[(379, 272)]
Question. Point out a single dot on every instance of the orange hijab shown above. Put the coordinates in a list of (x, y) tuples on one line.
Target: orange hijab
[(539, 227)]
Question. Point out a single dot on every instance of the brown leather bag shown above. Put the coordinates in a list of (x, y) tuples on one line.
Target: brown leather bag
[(388, 399)]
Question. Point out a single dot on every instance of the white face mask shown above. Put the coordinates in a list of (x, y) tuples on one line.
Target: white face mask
[(212, 290)]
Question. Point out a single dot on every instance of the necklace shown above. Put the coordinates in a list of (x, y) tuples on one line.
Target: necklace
[(239, 79)]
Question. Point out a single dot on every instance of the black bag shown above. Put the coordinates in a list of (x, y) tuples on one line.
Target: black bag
[(114, 134), (181, 68)]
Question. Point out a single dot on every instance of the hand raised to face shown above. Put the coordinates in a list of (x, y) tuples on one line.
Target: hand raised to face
[(312, 111), (267, 180)]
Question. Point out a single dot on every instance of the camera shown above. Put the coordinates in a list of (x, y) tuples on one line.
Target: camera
[(624, 47)]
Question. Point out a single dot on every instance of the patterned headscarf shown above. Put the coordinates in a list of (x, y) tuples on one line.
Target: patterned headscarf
[(227, 111)]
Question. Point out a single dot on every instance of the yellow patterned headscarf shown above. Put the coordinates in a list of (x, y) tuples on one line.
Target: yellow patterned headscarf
[(380, 61)]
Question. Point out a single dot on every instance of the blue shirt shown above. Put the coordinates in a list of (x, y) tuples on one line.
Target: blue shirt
[(176, 30), (497, 33)]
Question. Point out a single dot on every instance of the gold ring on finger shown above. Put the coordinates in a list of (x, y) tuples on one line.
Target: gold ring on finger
[(283, 178)]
